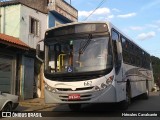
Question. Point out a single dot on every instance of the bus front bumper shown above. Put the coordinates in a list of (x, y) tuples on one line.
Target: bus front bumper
[(107, 95)]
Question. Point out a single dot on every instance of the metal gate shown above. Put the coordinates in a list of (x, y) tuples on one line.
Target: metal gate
[(6, 74), (28, 77)]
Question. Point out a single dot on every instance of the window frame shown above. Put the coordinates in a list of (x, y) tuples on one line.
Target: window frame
[(35, 29)]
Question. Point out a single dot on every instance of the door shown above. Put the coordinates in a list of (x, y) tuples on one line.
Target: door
[(117, 50), (28, 77)]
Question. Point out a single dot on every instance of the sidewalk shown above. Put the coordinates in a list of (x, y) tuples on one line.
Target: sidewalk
[(36, 104)]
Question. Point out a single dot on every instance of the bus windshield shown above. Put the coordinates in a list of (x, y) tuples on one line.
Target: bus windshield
[(77, 55)]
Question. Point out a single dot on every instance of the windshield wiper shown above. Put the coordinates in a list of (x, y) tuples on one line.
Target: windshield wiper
[(85, 45)]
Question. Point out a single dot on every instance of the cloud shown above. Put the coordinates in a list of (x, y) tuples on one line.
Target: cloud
[(100, 11), (154, 26), (100, 14), (116, 10), (127, 15), (150, 5), (110, 16), (136, 28), (145, 36)]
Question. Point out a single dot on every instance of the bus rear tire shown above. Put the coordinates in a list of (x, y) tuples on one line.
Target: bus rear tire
[(146, 94), (125, 103), (74, 107)]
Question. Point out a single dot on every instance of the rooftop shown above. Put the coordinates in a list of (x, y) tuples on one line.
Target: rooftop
[(12, 41)]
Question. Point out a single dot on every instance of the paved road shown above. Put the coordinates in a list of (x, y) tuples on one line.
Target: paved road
[(103, 111), (138, 104)]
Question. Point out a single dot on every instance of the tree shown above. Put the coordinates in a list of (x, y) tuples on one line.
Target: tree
[(156, 69)]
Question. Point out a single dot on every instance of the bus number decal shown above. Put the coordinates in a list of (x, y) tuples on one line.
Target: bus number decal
[(88, 83)]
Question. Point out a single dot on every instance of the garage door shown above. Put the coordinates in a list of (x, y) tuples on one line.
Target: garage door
[(6, 76)]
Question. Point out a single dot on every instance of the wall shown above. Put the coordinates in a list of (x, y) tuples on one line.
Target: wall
[(10, 20), (28, 38), (56, 18), (40, 5)]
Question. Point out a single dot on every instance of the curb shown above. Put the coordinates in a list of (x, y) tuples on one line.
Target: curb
[(31, 104), (36, 106)]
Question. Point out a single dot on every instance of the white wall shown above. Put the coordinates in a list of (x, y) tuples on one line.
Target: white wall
[(25, 35), (10, 20)]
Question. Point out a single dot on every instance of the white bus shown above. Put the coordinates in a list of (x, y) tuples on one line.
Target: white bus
[(93, 62)]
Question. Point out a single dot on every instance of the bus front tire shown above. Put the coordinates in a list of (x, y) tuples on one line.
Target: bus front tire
[(75, 107), (125, 103)]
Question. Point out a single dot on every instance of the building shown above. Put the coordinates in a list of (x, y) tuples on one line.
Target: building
[(28, 20), (23, 22), (61, 12), (11, 52)]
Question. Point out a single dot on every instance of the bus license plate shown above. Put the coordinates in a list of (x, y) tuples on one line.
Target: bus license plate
[(74, 97)]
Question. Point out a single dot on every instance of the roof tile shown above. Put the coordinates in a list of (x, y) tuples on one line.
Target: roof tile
[(15, 42)]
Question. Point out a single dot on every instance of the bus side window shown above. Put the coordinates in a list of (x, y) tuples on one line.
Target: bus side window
[(115, 40)]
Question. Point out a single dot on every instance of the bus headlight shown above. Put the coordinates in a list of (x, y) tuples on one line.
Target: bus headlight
[(109, 80), (50, 89), (103, 85), (97, 88)]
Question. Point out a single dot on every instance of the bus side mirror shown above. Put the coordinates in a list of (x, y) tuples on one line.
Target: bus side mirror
[(38, 51)]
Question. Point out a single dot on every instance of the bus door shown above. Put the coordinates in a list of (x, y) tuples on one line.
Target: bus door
[(117, 51)]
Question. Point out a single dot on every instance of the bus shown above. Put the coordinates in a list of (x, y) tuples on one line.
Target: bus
[(93, 62)]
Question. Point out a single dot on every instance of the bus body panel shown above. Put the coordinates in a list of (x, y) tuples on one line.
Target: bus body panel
[(138, 78), (64, 89)]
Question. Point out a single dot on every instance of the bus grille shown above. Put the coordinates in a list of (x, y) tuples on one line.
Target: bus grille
[(78, 89)]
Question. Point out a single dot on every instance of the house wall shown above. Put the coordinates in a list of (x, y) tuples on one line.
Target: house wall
[(55, 18), (10, 20), (26, 36)]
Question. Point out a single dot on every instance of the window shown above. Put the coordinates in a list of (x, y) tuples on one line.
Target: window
[(115, 39), (34, 26), (123, 40), (116, 50)]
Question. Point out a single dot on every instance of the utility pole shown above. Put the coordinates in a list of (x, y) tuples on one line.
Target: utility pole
[(70, 2)]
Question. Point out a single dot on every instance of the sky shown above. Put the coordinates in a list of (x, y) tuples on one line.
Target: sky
[(138, 19)]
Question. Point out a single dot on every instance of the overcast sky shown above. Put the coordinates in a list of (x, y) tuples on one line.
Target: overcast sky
[(138, 19)]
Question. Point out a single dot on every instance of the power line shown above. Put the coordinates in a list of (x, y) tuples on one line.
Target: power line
[(100, 4)]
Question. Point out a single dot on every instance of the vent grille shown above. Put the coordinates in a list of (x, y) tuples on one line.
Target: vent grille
[(78, 89)]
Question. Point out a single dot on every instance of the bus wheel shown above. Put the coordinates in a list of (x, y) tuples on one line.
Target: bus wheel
[(146, 94), (124, 104), (75, 107)]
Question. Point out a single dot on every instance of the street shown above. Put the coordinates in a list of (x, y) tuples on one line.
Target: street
[(138, 104), (110, 111)]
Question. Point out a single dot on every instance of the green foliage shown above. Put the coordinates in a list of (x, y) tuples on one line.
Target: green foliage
[(156, 68)]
